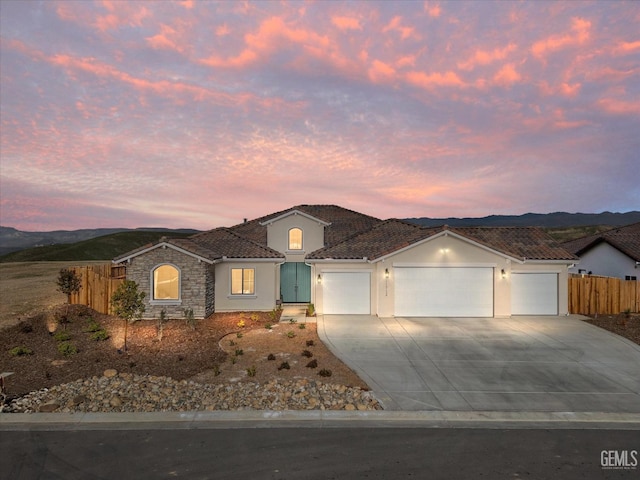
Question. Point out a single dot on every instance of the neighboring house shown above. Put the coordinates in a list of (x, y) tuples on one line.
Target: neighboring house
[(613, 253), (350, 263)]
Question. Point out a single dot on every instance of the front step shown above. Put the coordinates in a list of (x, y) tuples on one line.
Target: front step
[(296, 313)]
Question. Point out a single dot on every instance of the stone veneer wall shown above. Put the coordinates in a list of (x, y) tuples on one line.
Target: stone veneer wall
[(210, 293), (194, 276)]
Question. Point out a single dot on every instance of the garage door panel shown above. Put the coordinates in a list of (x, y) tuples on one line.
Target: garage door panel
[(346, 293), (534, 293), (444, 292)]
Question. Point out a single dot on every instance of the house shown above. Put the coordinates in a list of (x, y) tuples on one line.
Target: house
[(613, 253), (346, 262)]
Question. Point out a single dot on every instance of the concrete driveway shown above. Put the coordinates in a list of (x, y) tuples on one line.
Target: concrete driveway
[(557, 364)]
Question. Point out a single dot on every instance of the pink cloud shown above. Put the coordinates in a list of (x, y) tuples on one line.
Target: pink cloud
[(167, 39), (624, 48), (434, 11), (580, 30), (507, 76), (619, 107), (484, 57), (346, 23), (380, 72), (272, 33), (395, 25), (433, 80)]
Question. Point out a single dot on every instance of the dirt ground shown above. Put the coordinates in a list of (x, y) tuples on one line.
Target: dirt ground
[(213, 352), (628, 327), (27, 288)]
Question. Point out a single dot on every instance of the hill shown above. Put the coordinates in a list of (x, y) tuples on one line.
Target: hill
[(13, 240), (551, 220), (104, 247)]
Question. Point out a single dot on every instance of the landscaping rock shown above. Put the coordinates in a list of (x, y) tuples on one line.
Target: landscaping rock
[(146, 393), (48, 407), (110, 373)]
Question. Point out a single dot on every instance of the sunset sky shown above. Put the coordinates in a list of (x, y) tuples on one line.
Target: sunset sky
[(199, 114)]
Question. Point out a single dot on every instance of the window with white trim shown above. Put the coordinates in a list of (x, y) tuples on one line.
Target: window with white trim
[(295, 239), (243, 281), (166, 283)]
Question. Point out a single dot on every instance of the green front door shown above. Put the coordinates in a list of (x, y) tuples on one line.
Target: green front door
[(295, 282)]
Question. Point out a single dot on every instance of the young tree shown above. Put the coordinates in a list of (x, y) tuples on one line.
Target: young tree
[(128, 304), (68, 283)]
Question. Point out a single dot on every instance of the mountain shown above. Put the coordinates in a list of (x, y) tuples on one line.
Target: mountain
[(12, 240), (548, 220)]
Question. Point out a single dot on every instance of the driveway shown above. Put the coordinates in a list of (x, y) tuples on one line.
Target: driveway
[(557, 364)]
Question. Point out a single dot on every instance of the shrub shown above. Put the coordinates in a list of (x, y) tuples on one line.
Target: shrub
[(251, 371), (216, 370), (160, 324), (274, 315), (312, 364), (291, 334), (271, 356), (254, 317), (268, 326), (67, 349), (302, 326), (93, 326), (310, 343), (62, 336), (189, 318), (284, 366), (311, 310), (239, 352), (325, 372), (307, 353), (240, 324), (20, 351), (292, 321), (239, 335), (100, 335)]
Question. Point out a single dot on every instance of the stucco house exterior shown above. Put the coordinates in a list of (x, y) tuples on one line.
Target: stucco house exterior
[(345, 262), (613, 253)]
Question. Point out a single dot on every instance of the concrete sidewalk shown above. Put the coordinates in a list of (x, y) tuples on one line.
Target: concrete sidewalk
[(522, 364), (316, 419)]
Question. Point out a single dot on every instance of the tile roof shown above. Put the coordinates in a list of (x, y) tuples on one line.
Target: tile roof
[(386, 237), (223, 242), (351, 235), (626, 239), (342, 223), (523, 243)]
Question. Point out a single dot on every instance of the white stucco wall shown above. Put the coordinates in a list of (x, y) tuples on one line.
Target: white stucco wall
[(607, 261), (312, 236), (265, 288), (443, 251)]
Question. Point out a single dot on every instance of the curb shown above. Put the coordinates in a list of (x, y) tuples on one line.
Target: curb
[(318, 419)]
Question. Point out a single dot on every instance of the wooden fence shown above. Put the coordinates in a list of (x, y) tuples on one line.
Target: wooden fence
[(590, 295), (98, 284)]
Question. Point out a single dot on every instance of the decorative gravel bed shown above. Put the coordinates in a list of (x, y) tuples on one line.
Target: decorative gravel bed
[(126, 392)]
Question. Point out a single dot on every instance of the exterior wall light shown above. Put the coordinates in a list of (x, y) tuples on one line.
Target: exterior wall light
[(503, 273), (319, 279), (386, 273)]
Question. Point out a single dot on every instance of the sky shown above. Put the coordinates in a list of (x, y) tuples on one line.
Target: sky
[(197, 114)]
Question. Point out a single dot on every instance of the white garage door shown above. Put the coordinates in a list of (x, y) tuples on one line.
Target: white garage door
[(534, 294), (346, 293), (444, 292)]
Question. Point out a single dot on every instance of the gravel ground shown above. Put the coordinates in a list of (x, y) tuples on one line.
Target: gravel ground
[(126, 392)]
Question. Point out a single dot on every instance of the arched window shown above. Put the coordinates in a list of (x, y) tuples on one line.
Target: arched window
[(295, 239), (166, 283)]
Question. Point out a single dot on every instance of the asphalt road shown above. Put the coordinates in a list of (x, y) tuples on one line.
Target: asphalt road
[(317, 453)]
